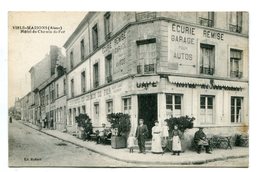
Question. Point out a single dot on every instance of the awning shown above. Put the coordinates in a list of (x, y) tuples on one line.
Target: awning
[(187, 80), (147, 79), (231, 84)]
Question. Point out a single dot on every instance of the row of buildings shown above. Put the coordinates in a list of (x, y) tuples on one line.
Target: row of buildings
[(151, 65)]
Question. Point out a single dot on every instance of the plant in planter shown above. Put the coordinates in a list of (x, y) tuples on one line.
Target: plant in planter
[(85, 125), (121, 124), (183, 123)]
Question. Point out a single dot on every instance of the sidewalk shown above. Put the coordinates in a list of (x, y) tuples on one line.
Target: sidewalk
[(187, 158)]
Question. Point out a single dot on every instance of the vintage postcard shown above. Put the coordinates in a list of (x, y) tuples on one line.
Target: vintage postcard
[(128, 89)]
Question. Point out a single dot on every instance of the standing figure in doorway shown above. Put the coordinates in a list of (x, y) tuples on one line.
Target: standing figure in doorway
[(176, 140), (141, 133), (156, 140), (51, 123)]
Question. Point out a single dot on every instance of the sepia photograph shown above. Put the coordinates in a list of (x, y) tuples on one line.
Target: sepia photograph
[(128, 89)]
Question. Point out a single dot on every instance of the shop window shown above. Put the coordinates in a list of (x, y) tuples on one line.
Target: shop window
[(96, 113), (207, 60), (107, 23), (236, 63), (109, 107), (206, 109), (82, 49), (84, 109), (83, 82), (174, 105), (146, 56), (95, 37), (108, 68), (96, 75), (71, 60), (206, 19), (235, 22), (74, 115), (127, 105), (236, 109), (70, 117)]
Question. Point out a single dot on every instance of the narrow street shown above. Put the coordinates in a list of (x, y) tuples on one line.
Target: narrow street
[(28, 147)]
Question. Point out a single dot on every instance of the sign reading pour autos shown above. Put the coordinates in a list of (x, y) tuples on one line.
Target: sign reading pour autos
[(182, 47)]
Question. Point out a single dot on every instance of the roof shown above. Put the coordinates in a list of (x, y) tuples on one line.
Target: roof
[(78, 29)]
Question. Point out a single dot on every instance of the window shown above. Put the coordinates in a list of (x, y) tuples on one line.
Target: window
[(47, 99), (207, 60), (78, 111), (71, 60), (235, 22), (206, 109), (70, 117), (236, 109), (109, 107), (82, 49), (107, 24), (95, 75), (96, 113), (72, 87), (84, 109), (57, 90), (64, 86), (109, 68), (74, 115), (235, 63), (127, 105), (146, 56), (95, 37), (207, 19), (174, 104), (52, 96), (83, 82)]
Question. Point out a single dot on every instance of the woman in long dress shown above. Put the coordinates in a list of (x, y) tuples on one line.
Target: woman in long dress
[(156, 140), (176, 140)]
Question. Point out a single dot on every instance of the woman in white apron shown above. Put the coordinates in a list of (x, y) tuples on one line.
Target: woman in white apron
[(156, 140), (176, 140)]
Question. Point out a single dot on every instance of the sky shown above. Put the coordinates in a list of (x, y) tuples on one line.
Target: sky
[(27, 49)]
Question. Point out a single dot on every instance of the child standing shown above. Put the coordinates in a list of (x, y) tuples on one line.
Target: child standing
[(131, 143)]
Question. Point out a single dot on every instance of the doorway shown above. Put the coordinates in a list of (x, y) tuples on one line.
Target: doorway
[(147, 110)]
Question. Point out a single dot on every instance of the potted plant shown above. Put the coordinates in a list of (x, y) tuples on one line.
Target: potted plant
[(84, 125), (183, 123), (121, 125)]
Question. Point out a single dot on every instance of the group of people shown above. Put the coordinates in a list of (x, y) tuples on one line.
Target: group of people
[(161, 138)]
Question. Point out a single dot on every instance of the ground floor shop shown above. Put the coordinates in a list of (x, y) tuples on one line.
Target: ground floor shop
[(220, 106)]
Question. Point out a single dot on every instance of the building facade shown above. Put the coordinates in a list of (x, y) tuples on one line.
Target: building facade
[(154, 65)]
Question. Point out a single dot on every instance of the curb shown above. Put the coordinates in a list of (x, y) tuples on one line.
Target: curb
[(195, 162)]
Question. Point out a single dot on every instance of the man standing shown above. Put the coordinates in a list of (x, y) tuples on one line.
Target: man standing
[(200, 140), (141, 133)]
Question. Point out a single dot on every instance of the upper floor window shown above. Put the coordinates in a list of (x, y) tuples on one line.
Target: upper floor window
[(57, 90), (236, 109), (236, 63), (108, 68), (64, 86), (95, 37), (235, 22), (109, 107), (207, 60), (83, 82), (95, 75), (72, 87), (207, 19), (107, 23), (146, 56), (71, 60), (82, 49), (84, 109)]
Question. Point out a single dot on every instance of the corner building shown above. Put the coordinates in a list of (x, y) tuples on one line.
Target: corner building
[(154, 65)]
